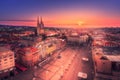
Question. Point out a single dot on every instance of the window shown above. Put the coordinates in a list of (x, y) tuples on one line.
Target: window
[(118, 66), (11, 57), (5, 63), (11, 61), (0, 57), (55, 42), (11, 64), (50, 45), (5, 56), (5, 59), (35, 53)]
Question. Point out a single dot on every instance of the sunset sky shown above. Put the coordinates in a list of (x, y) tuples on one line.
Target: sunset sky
[(61, 13)]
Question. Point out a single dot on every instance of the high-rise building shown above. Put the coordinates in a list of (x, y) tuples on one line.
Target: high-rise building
[(40, 26)]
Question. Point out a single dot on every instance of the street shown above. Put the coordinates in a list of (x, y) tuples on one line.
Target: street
[(78, 65), (65, 67), (68, 66)]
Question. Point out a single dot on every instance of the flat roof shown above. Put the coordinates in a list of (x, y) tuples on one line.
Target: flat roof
[(4, 49), (113, 58)]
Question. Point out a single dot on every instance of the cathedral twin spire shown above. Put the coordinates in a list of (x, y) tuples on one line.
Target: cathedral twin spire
[(40, 23), (40, 26)]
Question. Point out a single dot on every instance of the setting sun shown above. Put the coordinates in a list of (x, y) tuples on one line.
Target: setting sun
[(80, 23)]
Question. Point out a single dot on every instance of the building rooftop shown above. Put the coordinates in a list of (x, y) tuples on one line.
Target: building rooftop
[(113, 58), (30, 49), (4, 51)]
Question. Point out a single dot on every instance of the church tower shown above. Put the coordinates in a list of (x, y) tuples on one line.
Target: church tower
[(40, 26)]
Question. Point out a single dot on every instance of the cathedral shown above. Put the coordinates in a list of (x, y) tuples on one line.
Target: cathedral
[(40, 26)]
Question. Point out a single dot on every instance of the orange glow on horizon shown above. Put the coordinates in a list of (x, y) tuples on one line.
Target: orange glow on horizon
[(73, 19)]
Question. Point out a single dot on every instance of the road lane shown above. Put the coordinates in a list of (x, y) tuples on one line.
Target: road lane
[(64, 68), (79, 65)]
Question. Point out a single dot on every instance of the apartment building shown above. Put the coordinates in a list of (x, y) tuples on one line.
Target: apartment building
[(28, 56), (7, 61), (108, 64)]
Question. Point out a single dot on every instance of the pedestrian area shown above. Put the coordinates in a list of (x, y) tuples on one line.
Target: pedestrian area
[(56, 69)]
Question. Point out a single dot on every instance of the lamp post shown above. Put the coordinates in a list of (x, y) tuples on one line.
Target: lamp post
[(34, 73), (46, 75)]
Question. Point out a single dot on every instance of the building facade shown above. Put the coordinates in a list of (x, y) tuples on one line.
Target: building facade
[(32, 55), (7, 61), (28, 56), (108, 64)]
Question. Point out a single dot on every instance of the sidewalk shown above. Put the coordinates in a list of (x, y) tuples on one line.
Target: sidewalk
[(100, 75), (57, 68)]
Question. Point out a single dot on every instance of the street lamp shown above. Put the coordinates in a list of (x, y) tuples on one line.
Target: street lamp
[(46, 73), (34, 73)]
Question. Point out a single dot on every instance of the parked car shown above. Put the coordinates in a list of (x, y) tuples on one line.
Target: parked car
[(20, 67), (59, 56), (85, 59), (82, 76)]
